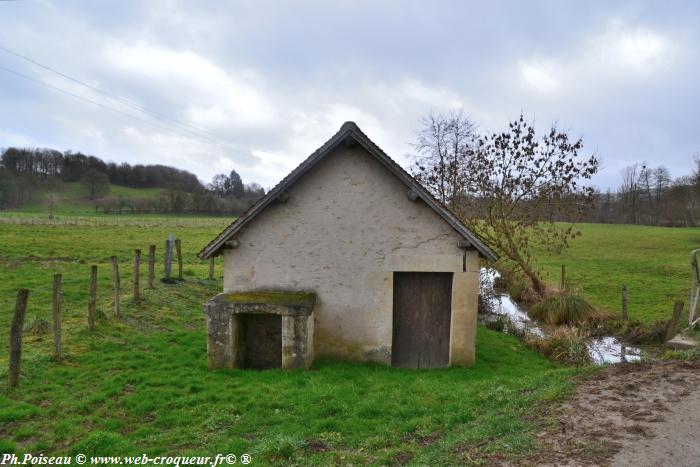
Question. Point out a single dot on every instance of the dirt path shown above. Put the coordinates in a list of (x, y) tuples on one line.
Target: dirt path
[(676, 441), (628, 415)]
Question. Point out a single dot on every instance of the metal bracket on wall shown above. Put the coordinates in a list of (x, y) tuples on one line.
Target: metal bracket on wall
[(231, 244)]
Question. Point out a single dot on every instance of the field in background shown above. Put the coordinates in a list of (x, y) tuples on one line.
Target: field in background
[(654, 262), (73, 202), (141, 385)]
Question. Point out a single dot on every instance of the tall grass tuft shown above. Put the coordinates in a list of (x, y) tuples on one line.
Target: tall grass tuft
[(565, 345), (562, 309)]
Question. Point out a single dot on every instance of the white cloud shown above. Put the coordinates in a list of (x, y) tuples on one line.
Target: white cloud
[(211, 96), (634, 50), (540, 76), (619, 55)]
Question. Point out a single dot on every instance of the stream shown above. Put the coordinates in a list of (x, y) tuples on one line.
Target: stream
[(603, 350)]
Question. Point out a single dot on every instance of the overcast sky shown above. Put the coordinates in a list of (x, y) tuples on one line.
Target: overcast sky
[(263, 84)]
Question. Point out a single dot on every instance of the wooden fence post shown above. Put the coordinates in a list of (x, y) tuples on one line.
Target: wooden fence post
[(168, 258), (672, 328), (178, 249), (563, 277), (16, 337), (92, 298), (137, 268), (117, 286), (694, 289), (151, 265), (211, 268), (57, 347), (624, 303)]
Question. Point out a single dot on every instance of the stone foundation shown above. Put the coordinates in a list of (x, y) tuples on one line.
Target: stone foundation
[(230, 344)]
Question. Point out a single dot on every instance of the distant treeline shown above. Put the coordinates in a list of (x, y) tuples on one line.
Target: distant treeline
[(30, 174), (649, 196), (72, 166)]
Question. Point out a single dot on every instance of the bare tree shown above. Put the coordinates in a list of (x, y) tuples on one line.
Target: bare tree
[(512, 186), (444, 145), (51, 201), (630, 192), (95, 183)]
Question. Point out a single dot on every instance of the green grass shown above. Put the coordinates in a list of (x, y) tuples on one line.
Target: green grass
[(654, 262), (140, 385), (73, 201), (562, 309)]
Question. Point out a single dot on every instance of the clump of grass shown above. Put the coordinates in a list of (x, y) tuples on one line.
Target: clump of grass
[(563, 309), (100, 442), (504, 324), (497, 324), (39, 327), (517, 286), (687, 354), (565, 345), (280, 446)]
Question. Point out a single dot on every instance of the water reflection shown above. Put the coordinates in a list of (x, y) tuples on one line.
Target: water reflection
[(602, 350)]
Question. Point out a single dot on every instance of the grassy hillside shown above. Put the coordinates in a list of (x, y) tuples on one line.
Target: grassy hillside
[(140, 385), (72, 199), (654, 262)]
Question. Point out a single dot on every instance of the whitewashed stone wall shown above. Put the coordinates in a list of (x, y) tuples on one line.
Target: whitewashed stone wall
[(347, 225)]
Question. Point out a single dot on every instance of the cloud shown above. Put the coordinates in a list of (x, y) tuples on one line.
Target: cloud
[(216, 98), (637, 49), (619, 55), (258, 88), (540, 76)]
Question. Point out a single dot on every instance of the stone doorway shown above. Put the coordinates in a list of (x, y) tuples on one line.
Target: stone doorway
[(260, 341), (260, 329)]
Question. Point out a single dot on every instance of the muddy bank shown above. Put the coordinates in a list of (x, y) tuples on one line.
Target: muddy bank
[(627, 414)]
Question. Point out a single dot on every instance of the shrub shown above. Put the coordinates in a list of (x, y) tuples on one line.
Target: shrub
[(638, 333), (562, 309), (565, 345)]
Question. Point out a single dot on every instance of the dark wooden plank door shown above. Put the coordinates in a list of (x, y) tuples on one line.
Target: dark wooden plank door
[(422, 314)]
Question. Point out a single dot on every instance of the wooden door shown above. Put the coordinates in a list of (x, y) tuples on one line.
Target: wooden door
[(422, 312)]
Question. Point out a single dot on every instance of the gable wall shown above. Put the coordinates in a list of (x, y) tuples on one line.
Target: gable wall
[(347, 225)]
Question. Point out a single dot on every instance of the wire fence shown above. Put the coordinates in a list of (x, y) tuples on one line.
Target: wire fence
[(111, 221)]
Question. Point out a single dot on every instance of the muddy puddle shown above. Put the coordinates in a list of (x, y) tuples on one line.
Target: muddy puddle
[(603, 350)]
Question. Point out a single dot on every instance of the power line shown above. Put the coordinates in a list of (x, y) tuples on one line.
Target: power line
[(99, 104), (122, 100)]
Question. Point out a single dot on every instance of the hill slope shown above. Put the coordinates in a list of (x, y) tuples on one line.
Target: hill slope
[(73, 202)]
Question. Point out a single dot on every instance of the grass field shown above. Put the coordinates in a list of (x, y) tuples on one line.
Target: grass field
[(654, 263), (140, 385), (72, 200)]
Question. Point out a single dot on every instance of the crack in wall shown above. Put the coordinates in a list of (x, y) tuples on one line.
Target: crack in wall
[(420, 243)]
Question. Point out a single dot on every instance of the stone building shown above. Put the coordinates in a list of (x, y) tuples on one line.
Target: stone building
[(348, 257)]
